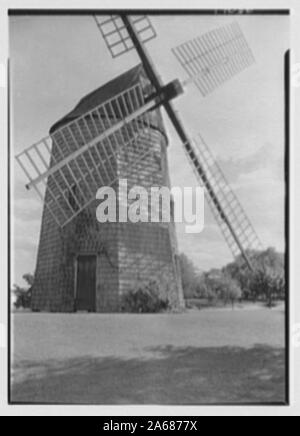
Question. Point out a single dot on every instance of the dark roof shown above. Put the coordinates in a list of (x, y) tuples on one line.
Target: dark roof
[(106, 92)]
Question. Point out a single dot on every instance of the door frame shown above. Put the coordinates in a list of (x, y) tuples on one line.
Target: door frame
[(86, 253)]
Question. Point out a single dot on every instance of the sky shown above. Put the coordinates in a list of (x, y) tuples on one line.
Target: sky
[(56, 60)]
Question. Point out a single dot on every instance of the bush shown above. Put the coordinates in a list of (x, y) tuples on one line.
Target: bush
[(145, 298), (23, 298), (23, 295)]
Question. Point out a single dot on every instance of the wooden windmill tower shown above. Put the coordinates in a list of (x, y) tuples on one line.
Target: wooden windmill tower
[(117, 132)]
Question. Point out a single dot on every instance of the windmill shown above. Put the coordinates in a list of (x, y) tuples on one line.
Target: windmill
[(83, 152)]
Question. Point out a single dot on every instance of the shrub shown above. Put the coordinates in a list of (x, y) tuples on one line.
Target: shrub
[(23, 298), (145, 298), (23, 295)]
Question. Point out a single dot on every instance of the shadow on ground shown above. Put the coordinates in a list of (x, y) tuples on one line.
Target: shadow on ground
[(172, 376)]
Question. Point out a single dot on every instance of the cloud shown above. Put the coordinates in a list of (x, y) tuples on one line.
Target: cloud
[(266, 158)]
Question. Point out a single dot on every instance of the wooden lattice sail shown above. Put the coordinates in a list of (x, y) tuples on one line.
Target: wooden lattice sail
[(79, 157), (228, 211), (215, 57)]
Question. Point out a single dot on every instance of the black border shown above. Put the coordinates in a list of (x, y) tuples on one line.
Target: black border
[(149, 11), (287, 92), (287, 70), (9, 237)]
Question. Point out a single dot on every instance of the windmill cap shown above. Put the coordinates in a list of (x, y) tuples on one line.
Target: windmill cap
[(109, 90)]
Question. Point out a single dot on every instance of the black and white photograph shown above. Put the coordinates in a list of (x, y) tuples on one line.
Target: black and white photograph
[(149, 199)]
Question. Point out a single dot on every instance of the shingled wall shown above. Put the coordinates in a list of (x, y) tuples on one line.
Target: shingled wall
[(126, 253)]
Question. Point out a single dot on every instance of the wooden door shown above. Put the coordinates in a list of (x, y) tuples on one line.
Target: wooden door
[(86, 283)]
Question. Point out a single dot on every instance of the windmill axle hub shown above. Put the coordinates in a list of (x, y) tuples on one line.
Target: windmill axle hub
[(166, 93), (171, 90)]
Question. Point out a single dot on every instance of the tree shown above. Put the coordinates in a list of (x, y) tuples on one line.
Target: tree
[(29, 279), (233, 292), (23, 295), (188, 275), (270, 286), (224, 287), (267, 281)]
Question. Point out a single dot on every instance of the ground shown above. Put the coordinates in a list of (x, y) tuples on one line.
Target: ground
[(199, 357)]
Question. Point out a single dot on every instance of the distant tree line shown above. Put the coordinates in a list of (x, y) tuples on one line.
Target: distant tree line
[(235, 281)]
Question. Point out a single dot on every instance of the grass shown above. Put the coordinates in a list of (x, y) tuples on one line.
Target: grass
[(200, 357)]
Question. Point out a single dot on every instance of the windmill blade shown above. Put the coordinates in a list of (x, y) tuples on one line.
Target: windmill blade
[(229, 42), (226, 208), (68, 167), (215, 57), (115, 33)]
